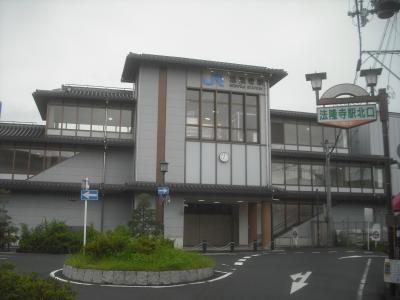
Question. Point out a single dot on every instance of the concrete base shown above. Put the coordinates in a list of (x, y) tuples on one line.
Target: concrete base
[(137, 277)]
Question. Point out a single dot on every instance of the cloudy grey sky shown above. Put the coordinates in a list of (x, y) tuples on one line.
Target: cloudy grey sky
[(46, 43)]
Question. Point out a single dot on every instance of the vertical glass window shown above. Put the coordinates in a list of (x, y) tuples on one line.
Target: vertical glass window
[(343, 176), (237, 123), (329, 134), (52, 157), (378, 178), (55, 118), (305, 174), (113, 122), (366, 174), (6, 162), (207, 115), (192, 113), (291, 172), (222, 116), (304, 134), (333, 173), (277, 132), (278, 173), (84, 118), (318, 176), (290, 134), (98, 120), (355, 177), (316, 136), (21, 163), (70, 117), (251, 119), (36, 161), (126, 124), (343, 140)]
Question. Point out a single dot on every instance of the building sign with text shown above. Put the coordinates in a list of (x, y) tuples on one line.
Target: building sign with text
[(347, 116), (233, 82)]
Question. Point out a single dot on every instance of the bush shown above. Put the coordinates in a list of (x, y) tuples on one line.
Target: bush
[(109, 243), (14, 286), (52, 237), (8, 232)]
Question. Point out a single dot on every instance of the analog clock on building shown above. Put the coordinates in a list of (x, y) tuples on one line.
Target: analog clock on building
[(223, 157)]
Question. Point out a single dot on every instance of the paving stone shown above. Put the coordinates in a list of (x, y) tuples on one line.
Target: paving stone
[(97, 276), (130, 278), (165, 277), (119, 277), (108, 276), (141, 278), (88, 275), (153, 278)]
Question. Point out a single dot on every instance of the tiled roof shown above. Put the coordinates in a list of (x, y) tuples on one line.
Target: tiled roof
[(15, 130), (36, 133), (90, 93), (134, 60)]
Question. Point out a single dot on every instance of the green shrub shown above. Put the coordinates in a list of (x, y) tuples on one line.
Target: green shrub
[(52, 237), (8, 232), (14, 286)]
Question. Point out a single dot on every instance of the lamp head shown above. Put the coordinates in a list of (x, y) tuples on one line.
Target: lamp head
[(316, 80), (371, 76)]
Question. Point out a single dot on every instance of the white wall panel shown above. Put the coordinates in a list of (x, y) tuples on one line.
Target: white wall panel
[(264, 179), (208, 159), (243, 224), (147, 120), (238, 165), (192, 162), (175, 125), (253, 165), (224, 169), (193, 78)]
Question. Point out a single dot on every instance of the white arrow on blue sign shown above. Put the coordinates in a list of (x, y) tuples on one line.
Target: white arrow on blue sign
[(89, 194), (162, 191)]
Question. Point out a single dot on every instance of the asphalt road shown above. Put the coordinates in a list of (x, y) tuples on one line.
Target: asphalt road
[(307, 273)]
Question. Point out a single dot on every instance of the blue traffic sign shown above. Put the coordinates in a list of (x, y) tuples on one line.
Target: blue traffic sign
[(89, 194), (162, 191)]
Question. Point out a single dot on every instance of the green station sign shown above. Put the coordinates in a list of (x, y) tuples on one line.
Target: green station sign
[(347, 116)]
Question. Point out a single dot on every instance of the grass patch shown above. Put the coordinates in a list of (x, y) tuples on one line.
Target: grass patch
[(162, 259)]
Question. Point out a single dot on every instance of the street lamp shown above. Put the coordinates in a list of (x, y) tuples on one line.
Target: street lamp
[(316, 82), (371, 77)]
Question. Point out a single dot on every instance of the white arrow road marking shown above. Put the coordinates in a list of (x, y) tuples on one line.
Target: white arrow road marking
[(238, 263), (297, 285), (360, 256)]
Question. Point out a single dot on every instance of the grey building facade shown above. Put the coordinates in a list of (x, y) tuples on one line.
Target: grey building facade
[(238, 171)]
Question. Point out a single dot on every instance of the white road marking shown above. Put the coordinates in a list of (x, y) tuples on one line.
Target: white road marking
[(238, 263), (360, 256), (225, 275), (242, 259), (247, 257), (299, 284), (332, 251), (299, 252), (363, 280), (254, 255), (315, 252)]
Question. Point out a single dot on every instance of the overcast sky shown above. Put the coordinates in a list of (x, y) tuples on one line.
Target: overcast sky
[(46, 43)]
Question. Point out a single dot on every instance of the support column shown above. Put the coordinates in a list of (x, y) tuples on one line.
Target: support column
[(243, 224), (252, 210), (266, 225)]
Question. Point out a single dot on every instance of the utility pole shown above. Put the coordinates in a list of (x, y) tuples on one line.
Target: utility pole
[(328, 192)]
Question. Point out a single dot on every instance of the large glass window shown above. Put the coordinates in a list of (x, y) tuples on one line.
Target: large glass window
[(378, 178), (69, 118), (343, 176), (343, 139), (366, 175), (304, 134), (237, 125), (207, 115), (355, 177), (277, 132), (318, 176), (291, 172), (98, 121), (222, 116), (333, 174), (126, 123), (251, 119), (192, 113), (290, 134), (52, 158), (305, 174), (21, 163), (36, 162), (316, 136), (6, 162), (329, 134), (84, 121), (278, 173), (55, 116)]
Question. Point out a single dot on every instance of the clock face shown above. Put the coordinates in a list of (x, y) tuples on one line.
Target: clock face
[(223, 157)]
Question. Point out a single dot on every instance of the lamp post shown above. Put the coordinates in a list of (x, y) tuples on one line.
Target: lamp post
[(160, 205), (371, 78), (316, 83)]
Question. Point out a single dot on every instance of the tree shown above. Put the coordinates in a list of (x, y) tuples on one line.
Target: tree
[(8, 232), (143, 221)]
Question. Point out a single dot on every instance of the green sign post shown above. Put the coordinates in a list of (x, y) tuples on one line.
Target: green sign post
[(347, 116)]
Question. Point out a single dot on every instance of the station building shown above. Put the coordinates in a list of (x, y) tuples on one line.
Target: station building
[(238, 171)]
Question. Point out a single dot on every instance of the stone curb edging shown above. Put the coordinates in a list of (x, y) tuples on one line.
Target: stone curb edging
[(136, 277)]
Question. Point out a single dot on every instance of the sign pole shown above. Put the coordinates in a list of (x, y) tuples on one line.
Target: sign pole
[(368, 236), (84, 226)]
